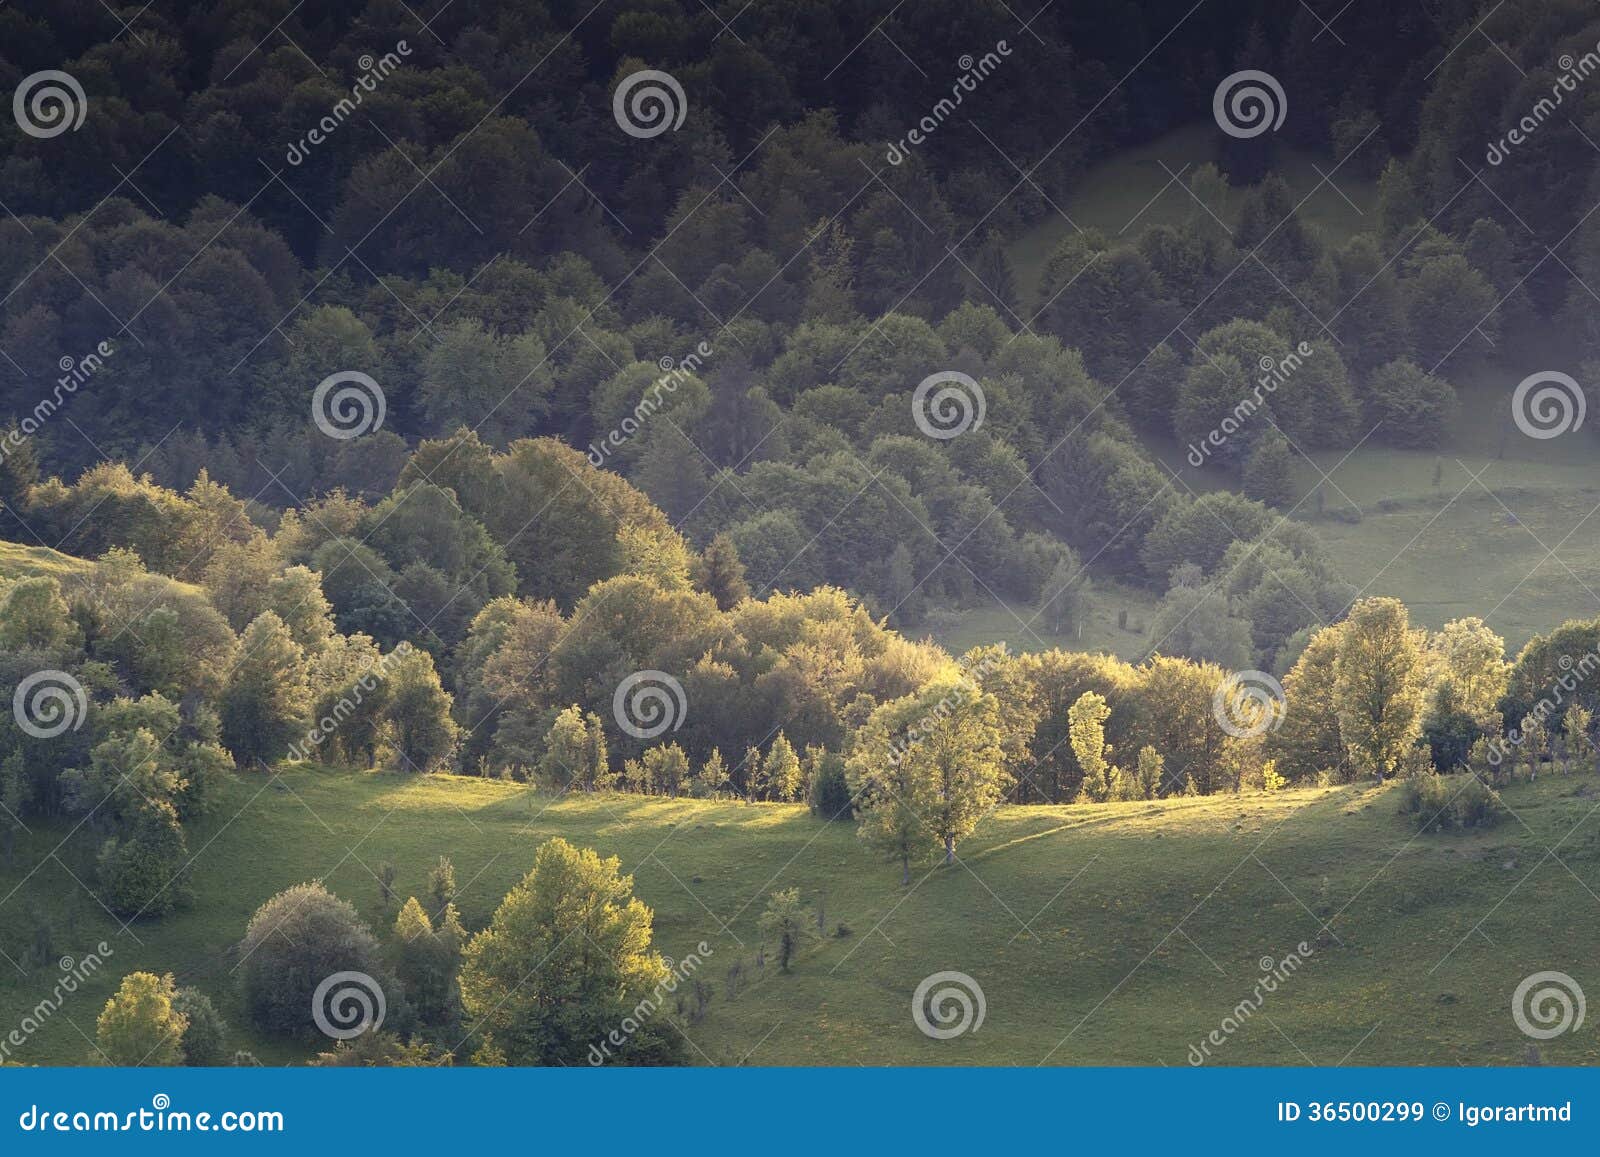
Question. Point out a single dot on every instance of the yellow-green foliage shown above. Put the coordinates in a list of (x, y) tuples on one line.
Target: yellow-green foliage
[(139, 1026)]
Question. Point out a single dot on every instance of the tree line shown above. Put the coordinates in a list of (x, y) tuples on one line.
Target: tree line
[(438, 627)]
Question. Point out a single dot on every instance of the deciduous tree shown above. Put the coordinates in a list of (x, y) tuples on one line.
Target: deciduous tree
[(266, 697), (564, 962), (139, 1025), (1378, 682), (787, 921)]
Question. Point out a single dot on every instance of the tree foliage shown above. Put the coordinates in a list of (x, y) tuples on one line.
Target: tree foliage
[(565, 960)]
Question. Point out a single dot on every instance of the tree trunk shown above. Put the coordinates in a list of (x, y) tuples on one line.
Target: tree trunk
[(905, 870), (949, 849)]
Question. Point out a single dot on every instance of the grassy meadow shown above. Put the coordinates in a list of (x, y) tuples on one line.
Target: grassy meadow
[(1118, 934), (19, 561), (1135, 189), (1492, 523)]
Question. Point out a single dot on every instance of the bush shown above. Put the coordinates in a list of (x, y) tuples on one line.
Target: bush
[(145, 873), (829, 796), (296, 940), (1414, 408), (205, 1039), (1442, 803)]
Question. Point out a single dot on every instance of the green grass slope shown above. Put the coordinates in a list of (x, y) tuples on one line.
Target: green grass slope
[(1117, 934), (1135, 189), (19, 561)]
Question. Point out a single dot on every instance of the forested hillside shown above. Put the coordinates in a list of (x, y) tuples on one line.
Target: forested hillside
[(640, 400)]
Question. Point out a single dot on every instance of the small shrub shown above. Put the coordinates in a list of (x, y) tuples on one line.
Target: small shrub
[(1478, 805), (1442, 803)]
